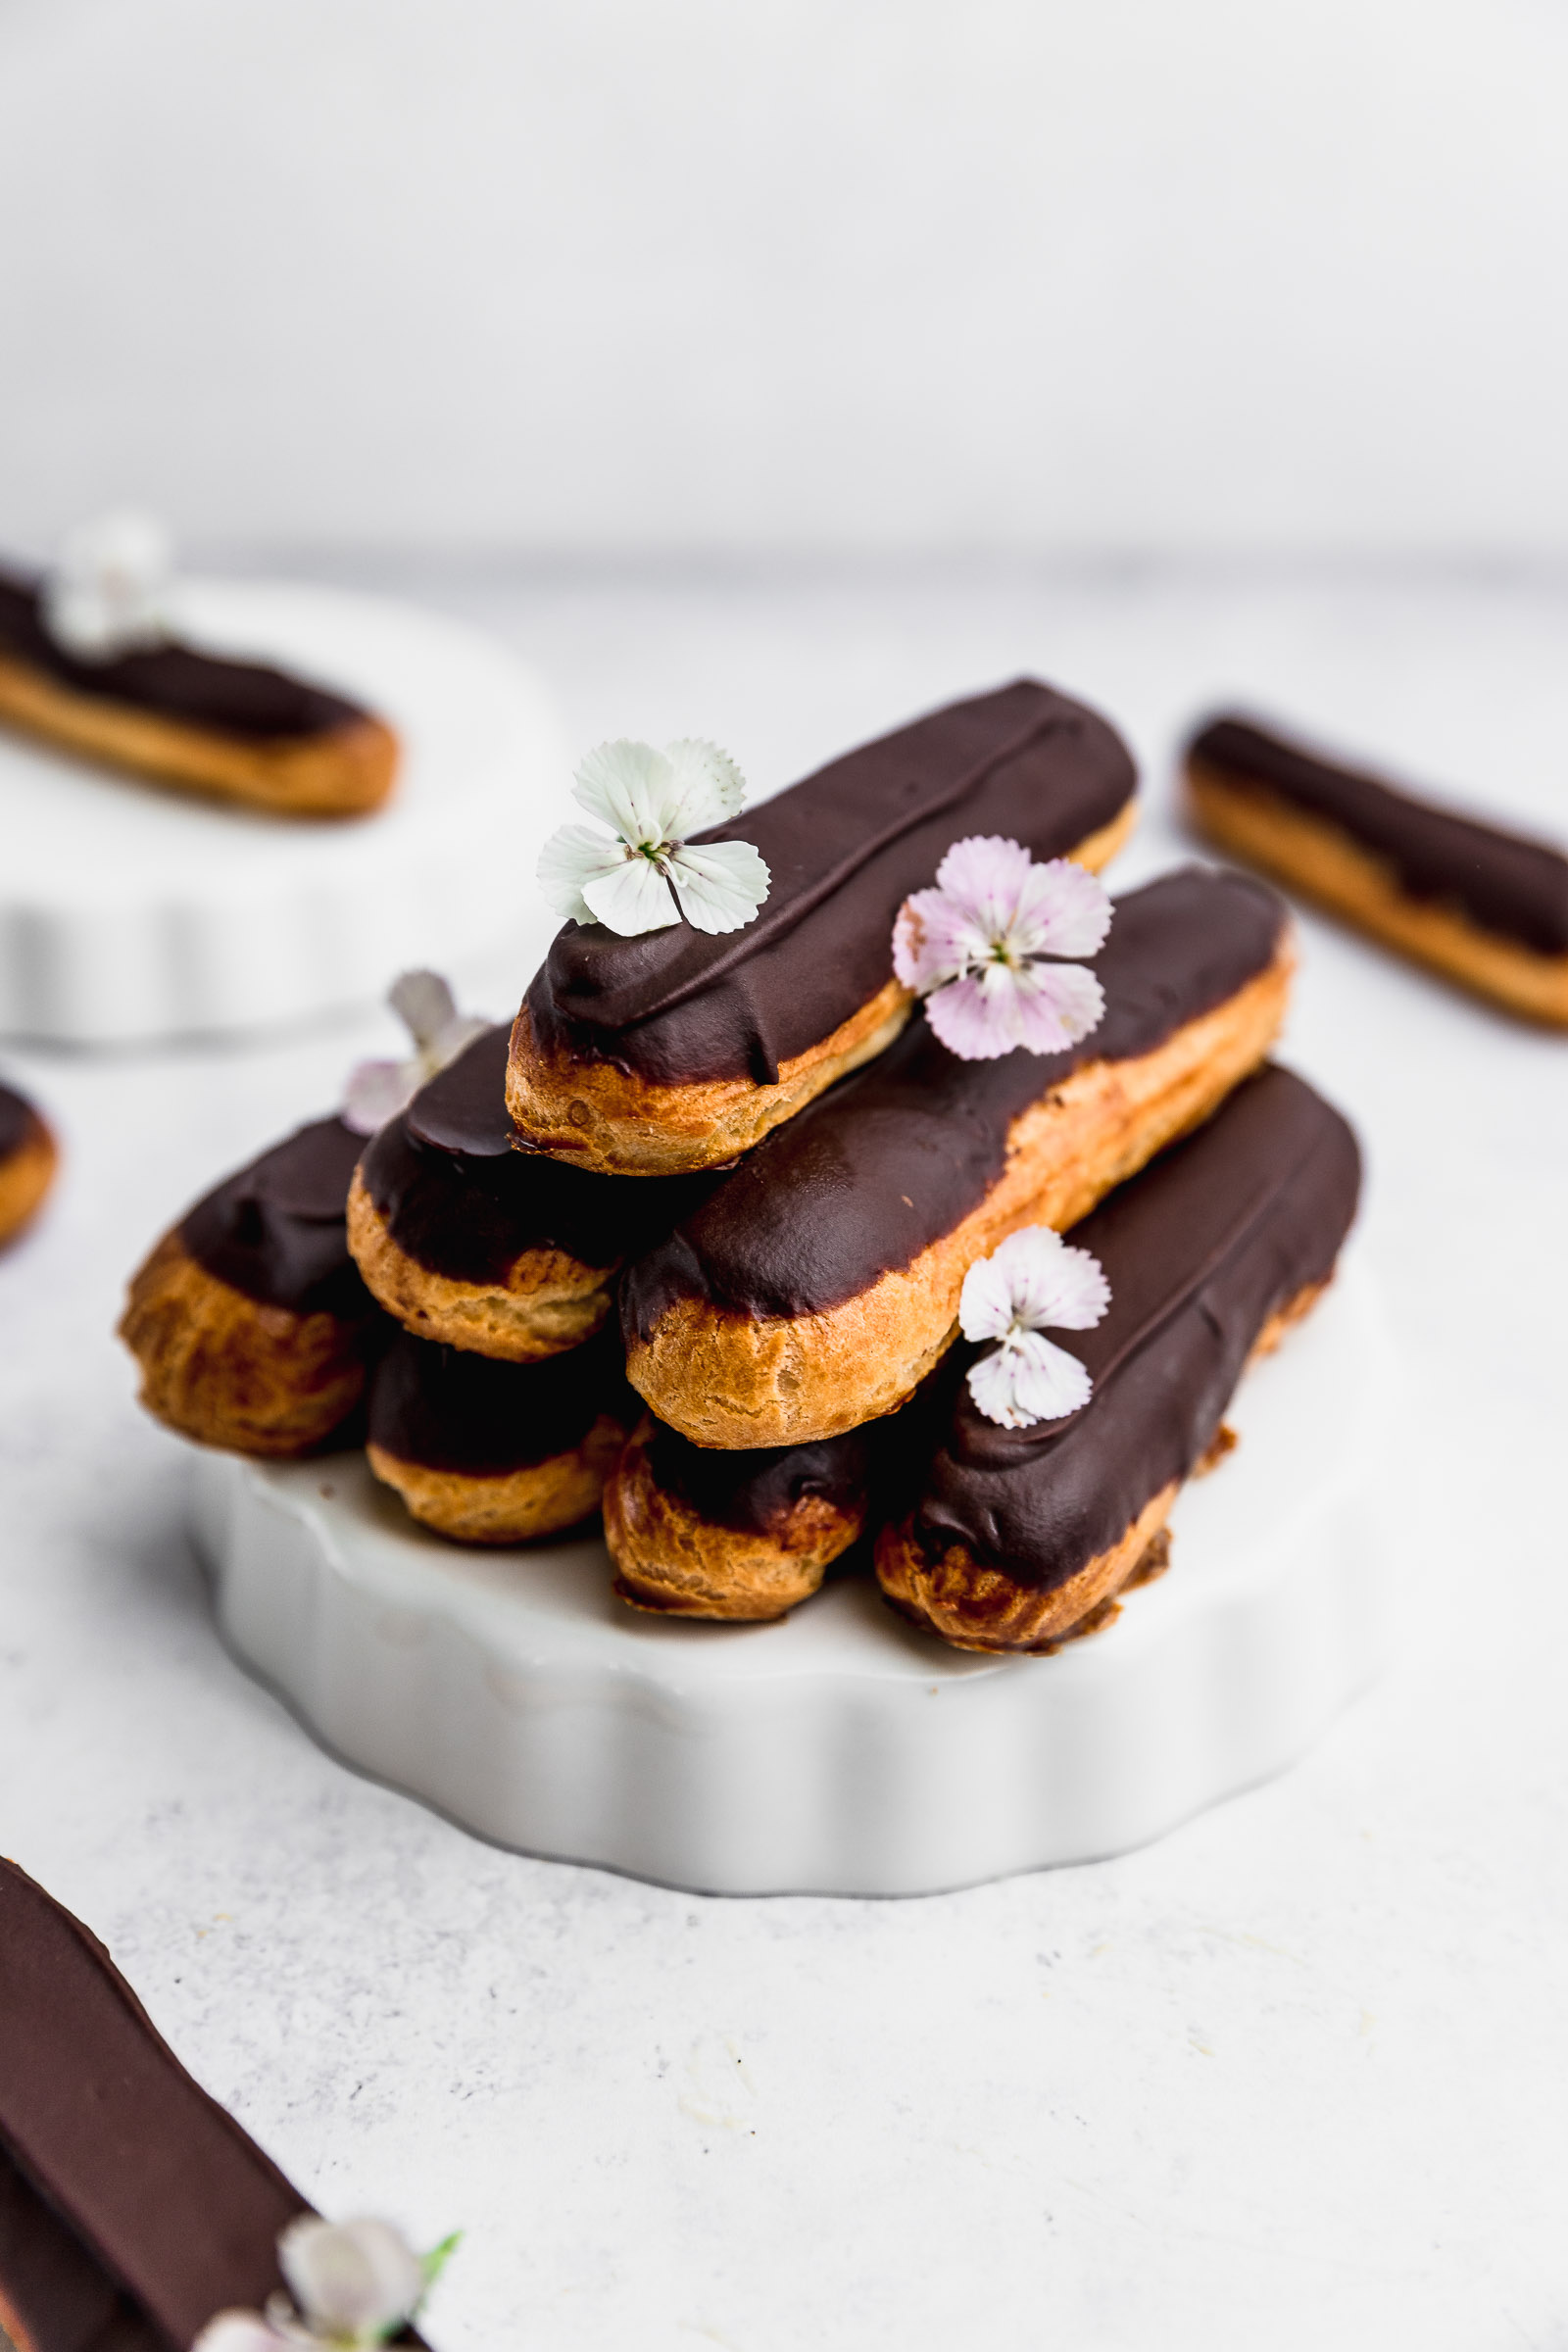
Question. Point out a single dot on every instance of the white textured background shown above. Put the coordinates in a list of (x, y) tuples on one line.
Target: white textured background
[(591, 275)]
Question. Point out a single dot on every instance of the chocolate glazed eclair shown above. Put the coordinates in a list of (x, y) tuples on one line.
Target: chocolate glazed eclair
[(132, 2207), (490, 1453), (1021, 1539), (679, 1048), (818, 1282), (237, 729), (504, 1253), (27, 1160), (1486, 907), (249, 1320), (698, 1531)]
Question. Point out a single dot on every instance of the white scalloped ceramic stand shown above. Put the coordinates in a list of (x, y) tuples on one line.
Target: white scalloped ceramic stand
[(131, 912), (839, 1751)]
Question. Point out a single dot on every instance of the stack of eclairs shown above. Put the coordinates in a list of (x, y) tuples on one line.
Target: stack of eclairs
[(687, 1243)]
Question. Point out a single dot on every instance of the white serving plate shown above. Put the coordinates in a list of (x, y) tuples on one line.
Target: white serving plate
[(839, 1751), (130, 912)]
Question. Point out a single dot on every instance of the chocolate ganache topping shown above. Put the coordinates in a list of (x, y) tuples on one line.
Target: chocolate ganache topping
[(897, 1154), (20, 1123), (175, 681), (445, 1409), (1201, 1249), (276, 1230), (132, 2208), (1505, 883), (456, 1198), (755, 1489), (844, 848)]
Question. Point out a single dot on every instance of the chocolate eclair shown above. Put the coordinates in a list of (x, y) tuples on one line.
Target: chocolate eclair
[(699, 1532), (133, 2208), (28, 1161), (238, 729), (1020, 1539), (249, 1320), (505, 1252), (679, 1049), (491, 1453), (818, 1282), (1486, 908)]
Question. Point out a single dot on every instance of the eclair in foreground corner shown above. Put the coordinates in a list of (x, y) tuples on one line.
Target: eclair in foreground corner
[(467, 1241), (1022, 1537), (133, 2208), (28, 1161), (1486, 907), (249, 1320), (239, 730), (741, 1536), (818, 1282), (677, 1049), (490, 1453)]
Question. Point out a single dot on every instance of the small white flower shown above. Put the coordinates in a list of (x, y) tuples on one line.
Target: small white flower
[(653, 802), (1033, 1280), (974, 946), (377, 1090), (108, 591), (356, 2284)]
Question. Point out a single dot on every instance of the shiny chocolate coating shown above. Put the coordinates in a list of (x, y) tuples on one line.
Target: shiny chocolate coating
[(175, 681), (754, 1490), (459, 1200), (844, 849), (56, 2293), (882, 1165), (276, 1229), (1214, 1238), (1507, 884), (132, 2207), (445, 1409)]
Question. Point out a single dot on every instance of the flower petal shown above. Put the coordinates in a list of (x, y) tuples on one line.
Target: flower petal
[(238, 2331), (1047, 1281), (377, 1091), (708, 787), (934, 941), (909, 942), (632, 898), (1048, 1382), (425, 1003), (1051, 1005), (125, 546), (107, 593), (983, 876), (632, 788), (721, 884), (1062, 910), (448, 1042), (351, 2277), (985, 1302), (82, 622), (570, 858), (1028, 1379), (972, 1020)]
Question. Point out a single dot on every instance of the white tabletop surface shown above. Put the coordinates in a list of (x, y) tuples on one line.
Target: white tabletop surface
[(1291, 2078)]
